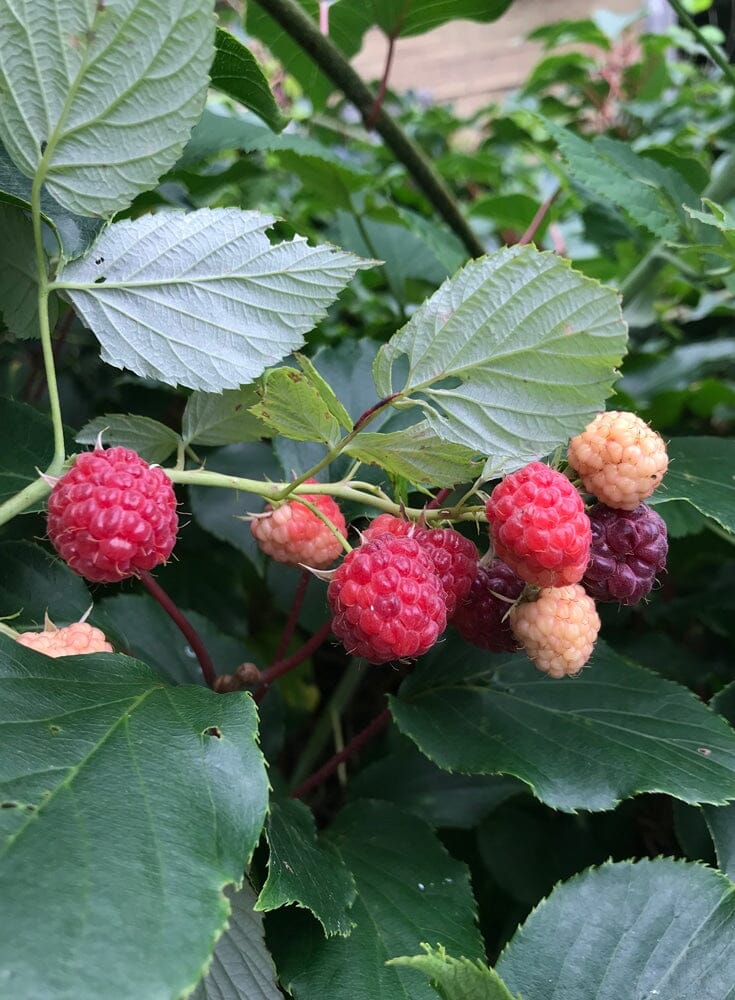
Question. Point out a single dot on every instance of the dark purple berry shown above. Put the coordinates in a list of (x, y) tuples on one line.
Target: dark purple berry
[(482, 618), (629, 549)]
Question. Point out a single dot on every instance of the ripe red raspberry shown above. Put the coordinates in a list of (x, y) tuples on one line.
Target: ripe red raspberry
[(294, 534), (387, 602), (69, 641), (482, 618), (620, 460), (539, 526), (453, 555), (558, 630), (112, 515), (629, 549)]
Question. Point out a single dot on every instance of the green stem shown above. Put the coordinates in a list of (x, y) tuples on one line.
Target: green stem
[(717, 57), (321, 732), (275, 492), (333, 64), (326, 522)]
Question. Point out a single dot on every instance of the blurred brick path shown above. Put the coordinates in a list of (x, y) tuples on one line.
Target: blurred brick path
[(470, 64)]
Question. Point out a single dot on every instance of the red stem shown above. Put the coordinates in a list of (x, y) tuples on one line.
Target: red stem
[(538, 219), (372, 115), (283, 666), (293, 617), (439, 499), (356, 743), (183, 624), (364, 417)]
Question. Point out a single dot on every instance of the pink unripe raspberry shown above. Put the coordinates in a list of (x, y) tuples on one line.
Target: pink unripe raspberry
[(539, 526), (629, 549), (558, 630), (72, 640), (387, 602), (294, 534), (453, 555), (112, 515), (619, 459), (482, 618)]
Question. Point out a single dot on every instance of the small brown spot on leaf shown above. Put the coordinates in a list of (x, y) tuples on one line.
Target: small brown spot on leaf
[(213, 731), (705, 751)]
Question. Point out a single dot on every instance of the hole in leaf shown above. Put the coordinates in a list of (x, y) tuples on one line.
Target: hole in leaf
[(8, 805), (213, 731), (54, 729), (100, 281)]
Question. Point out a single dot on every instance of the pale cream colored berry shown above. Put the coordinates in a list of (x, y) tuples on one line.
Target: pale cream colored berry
[(558, 630), (72, 640), (619, 459)]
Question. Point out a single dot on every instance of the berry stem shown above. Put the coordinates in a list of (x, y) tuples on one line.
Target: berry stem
[(282, 667), (326, 521), (186, 628), (356, 743), (274, 492), (293, 616), (436, 502), (538, 218), (323, 728)]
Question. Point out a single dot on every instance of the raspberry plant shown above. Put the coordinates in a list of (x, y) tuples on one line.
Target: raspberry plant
[(288, 408)]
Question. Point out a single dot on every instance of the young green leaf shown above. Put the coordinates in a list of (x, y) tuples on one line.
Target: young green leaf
[(214, 419), (156, 797), (318, 382), (653, 196), (417, 454), (617, 730), (105, 105), (408, 889), (301, 870), (453, 978), (660, 928), (204, 299), (509, 357), (700, 472), (242, 968), (18, 276), (152, 440), (236, 72), (292, 406)]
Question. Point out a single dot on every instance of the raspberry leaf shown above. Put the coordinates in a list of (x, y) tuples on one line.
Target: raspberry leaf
[(26, 444), (700, 473), (236, 72), (156, 796), (151, 439), (242, 968), (416, 17), (457, 977), (645, 929), (302, 870), (318, 382), (19, 276), (513, 335), (417, 454), (33, 582), (204, 299), (212, 418), (617, 729), (73, 233), (105, 105), (399, 895)]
